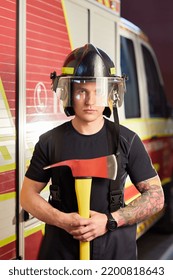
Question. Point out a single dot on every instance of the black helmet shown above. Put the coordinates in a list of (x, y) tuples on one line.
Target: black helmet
[(89, 63)]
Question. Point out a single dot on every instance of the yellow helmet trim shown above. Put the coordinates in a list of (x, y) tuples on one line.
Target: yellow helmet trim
[(68, 70), (112, 71)]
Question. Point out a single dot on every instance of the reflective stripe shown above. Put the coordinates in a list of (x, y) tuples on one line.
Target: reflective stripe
[(5, 153), (146, 128), (35, 229), (67, 24), (7, 196), (7, 167), (7, 240), (27, 233), (68, 70), (107, 3), (112, 71)]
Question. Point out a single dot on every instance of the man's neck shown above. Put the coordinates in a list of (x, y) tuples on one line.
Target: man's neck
[(88, 128)]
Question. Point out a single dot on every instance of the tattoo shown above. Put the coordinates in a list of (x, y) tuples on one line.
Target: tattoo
[(150, 202)]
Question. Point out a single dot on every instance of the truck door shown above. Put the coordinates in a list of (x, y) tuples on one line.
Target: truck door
[(161, 144), (145, 102)]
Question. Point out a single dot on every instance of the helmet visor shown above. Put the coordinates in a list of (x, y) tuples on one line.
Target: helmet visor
[(103, 91)]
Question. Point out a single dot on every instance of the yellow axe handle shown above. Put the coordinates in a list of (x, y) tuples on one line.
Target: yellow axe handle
[(83, 191)]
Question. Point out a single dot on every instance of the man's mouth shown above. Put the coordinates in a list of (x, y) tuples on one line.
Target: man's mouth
[(89, 110)]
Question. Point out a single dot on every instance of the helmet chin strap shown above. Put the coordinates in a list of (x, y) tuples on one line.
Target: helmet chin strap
[(117, 125)]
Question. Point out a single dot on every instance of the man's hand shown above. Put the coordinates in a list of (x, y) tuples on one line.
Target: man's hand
[(87, 229)]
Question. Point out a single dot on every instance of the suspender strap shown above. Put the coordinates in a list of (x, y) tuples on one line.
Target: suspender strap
[(55, 156), (57, 142), (116, 198)]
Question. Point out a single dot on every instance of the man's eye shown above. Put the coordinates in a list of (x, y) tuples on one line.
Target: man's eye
[(82, 91)]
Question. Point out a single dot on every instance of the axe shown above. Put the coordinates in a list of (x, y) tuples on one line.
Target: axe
[(83, 170)]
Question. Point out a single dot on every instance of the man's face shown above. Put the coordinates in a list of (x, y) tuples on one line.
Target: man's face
[(87, 100)]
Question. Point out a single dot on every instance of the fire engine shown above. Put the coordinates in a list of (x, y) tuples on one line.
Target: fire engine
[(36, 36)]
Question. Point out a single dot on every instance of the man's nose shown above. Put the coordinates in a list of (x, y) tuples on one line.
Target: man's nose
[(90, 98)]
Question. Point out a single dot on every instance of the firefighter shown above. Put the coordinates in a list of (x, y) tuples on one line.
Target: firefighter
[(90, 92)]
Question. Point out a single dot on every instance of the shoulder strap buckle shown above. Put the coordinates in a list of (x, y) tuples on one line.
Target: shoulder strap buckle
[(116, 200)]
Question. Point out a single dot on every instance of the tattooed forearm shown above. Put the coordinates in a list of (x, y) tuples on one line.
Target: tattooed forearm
[(150, 202)]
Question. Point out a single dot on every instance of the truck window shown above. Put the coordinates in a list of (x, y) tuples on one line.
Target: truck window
[(156, 96), (128, 67)]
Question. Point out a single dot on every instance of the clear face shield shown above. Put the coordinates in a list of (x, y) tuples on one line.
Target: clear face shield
[(104, 91)]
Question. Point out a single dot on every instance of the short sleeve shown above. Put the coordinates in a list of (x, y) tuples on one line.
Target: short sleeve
[(39, 160), (139, 162)]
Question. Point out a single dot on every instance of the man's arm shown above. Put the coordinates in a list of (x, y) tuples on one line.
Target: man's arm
[(150, 202), (37, 206), (33, 203)]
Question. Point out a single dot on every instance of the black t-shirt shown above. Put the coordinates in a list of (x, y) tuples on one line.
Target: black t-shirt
[(135, 162)]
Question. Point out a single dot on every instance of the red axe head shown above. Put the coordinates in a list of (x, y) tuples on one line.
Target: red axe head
[(102, 167)]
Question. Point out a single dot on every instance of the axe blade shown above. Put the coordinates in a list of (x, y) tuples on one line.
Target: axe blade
[(101, 167)]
